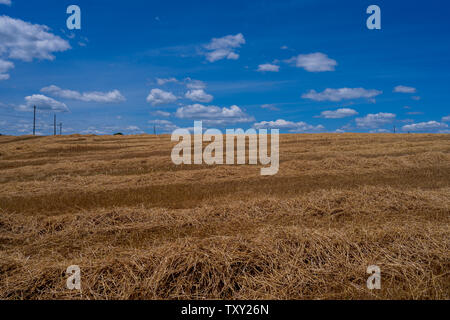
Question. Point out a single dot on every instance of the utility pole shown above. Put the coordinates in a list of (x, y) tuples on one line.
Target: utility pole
[(394, 128), (154, 130), (34, 121), (54, 124), (60, 128)]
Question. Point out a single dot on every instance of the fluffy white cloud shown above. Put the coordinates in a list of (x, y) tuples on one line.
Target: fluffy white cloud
[(446, 119), (405, 89), (7, 2), (94, 96), (25, 41), (341, 94), (268, 68), (375, 120), (158, 96), (42, 103), (194, 84), (4, 68), (213, 114), (339, 113), (425, 126), (314, 62), (164, 81), (224, 48), (288, 125), (199, 95)]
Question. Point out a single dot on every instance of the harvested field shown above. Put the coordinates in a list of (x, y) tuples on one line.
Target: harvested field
[(141, 227)]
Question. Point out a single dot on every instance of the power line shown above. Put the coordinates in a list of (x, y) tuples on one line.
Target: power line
[(34, 121)]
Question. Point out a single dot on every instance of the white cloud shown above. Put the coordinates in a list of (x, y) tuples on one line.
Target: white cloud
[(284, 47), (199, 95), (405, 89), (270, 107), (163, 125), (446, 119), (224, 48), (341, 94), (25, 41), (288, 125), (4, 68), (379, 131), (213, 114), (158, 96), (42, 103), (7, 2), (194, 84), (103, 97), (162, 113), (425, 126), (95, 96), (412, 113), (314, 62), (375, 120), (339, 113), (268, 68), (162, 82), (133, 128)]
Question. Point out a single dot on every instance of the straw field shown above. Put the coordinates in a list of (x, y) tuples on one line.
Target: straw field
[(141, 227)]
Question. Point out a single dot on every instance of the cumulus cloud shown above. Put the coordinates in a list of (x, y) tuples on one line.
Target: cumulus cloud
[(42, 103), (7, 2), (339, 113), (213, 114), (163, 81), (288, 125), (20, 40), (25, 41), (5, 66), (224, 48), (314, 62), (425, 126), (158, 96), (404, 89), (341, 94), (95, 96), (446, 119), (268, 68), (194, 84), (162, 113), (375, 120), (199, 95)]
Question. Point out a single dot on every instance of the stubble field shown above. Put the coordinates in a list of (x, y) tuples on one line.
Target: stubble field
[(140, 227)]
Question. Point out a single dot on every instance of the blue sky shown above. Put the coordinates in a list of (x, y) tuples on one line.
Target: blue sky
[(300, 66)]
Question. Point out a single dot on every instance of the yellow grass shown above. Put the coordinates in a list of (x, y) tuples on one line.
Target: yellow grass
[(140, 227)]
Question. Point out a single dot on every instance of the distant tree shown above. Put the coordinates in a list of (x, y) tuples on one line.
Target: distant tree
[(118, 134)]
